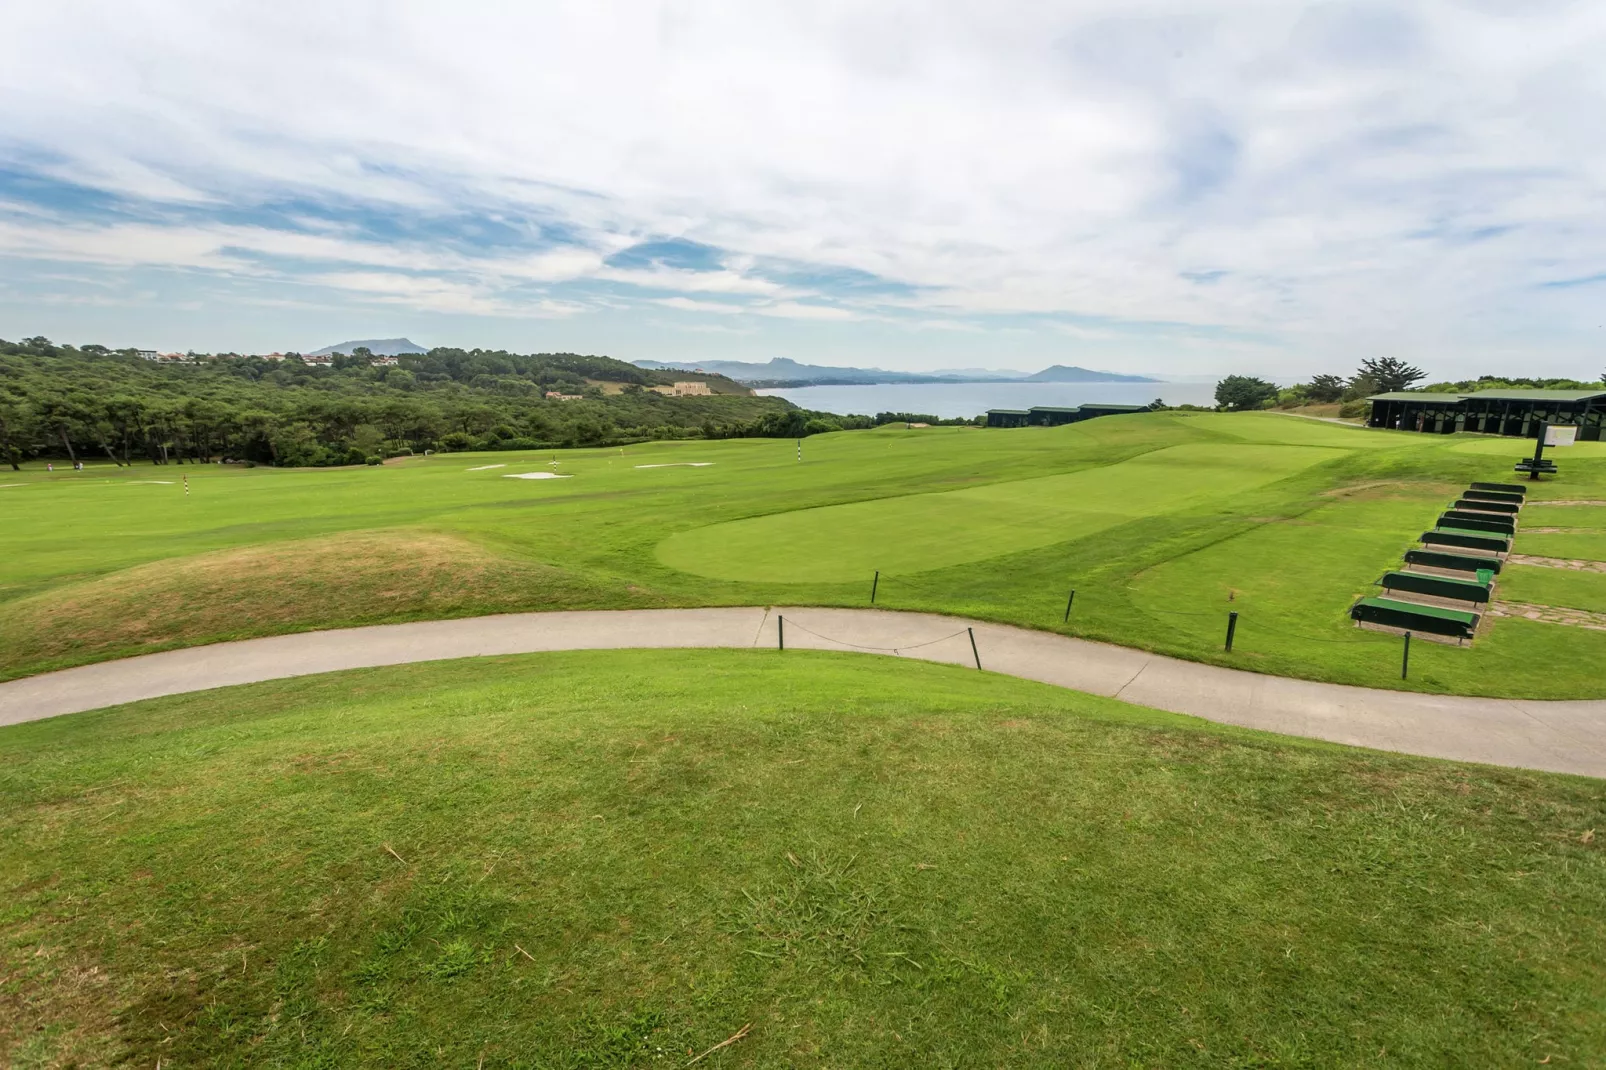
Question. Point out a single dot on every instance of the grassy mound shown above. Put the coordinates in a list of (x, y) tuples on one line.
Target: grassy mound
[(619, 859), (356, 578)]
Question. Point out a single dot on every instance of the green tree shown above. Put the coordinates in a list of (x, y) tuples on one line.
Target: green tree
[(1239, 392), (16, 424), (1325, 388), (64, 415), (1388, 374)]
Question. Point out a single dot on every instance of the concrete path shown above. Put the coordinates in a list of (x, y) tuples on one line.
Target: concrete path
[(1567, 737)]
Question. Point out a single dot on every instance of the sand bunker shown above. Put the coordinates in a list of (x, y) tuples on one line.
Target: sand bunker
[(535, 475), (483, 467), (679, 464), (148, 482)]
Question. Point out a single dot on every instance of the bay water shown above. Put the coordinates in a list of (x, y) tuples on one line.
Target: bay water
[(949, 400)]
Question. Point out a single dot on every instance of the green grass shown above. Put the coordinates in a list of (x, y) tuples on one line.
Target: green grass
[(1565, 516), (921, 532), (1566, 545), (609, 859), (1554, 587), (1160, 522)]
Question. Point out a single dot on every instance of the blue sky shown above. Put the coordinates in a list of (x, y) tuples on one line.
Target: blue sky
[(1182, 188)]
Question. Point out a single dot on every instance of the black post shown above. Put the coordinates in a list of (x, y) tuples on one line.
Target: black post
[(1068, 602), (874, 584), (1405, 659), (1539, 450), (1232, 626), (973, 653), (780, 630)]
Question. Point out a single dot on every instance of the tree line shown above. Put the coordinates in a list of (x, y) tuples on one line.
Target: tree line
[(67, 402), (1380, 375)]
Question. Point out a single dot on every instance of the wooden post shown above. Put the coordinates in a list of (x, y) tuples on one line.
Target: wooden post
[(1232, 626), (780, 630), (1405, 659), (973, 653), (874, 584), (1068, 602)]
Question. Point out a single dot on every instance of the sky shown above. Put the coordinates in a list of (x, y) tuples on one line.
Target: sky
[(1181, 188)]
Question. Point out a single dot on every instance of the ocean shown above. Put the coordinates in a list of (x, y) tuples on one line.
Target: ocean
[(973, 399)]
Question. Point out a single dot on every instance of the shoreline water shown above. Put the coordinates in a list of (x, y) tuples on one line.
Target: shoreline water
[(949, 400)]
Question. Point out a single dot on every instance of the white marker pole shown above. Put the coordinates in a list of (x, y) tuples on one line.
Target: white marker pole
[(799, 451)]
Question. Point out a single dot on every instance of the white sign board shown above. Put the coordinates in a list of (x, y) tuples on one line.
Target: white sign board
[(1560, 436)]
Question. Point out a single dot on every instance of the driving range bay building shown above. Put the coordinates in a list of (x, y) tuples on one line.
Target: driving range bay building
[(1491, 412), (1054, 415)]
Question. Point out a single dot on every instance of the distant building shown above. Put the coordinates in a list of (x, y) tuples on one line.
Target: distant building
[(1517, 413), (174, 358), (322, 360), (691, 389), (553, 395), (147, 354), (384, 362), (274, 356), (1055, 416)]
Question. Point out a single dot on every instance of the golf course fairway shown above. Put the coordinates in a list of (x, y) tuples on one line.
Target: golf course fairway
[(920, 532), (1161, 523)]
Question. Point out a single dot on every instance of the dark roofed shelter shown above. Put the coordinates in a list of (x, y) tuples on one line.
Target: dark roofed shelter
[(1052, 415), (1519, 413), (1057, 415)]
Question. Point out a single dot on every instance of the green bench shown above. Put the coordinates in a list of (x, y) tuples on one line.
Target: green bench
[(1457, 518), (1459, 562), (1414, 618), (1437, 586), (1467, 540), (1483, 505)]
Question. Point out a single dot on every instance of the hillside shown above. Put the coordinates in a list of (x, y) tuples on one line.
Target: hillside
[(1061, 373), (380, 347), (783, 371), (66, 402)]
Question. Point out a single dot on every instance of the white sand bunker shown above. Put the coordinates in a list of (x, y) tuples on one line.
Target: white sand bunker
[(483, 467), (3, 486), (679, 464), (148, 482), (535, 475)]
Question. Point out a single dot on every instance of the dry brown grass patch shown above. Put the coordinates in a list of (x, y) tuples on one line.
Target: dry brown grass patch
[(340, 580)]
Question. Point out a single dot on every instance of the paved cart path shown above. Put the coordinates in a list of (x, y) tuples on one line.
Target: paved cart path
[(1567, 737)]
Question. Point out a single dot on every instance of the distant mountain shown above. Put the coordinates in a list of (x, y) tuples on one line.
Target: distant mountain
[(1060, 373), (986, 374), (783, 371), (379, 347)]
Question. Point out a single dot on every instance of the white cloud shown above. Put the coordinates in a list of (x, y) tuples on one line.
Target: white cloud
[(1334, 177)]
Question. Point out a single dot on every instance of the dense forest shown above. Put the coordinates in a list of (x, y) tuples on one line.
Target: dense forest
[(73, 402)]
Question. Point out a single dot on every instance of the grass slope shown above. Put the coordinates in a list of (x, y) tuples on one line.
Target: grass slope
[(1161, 523), (334, 581), (605, 860)]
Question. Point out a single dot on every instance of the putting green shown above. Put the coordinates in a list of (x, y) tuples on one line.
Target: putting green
[(918, 532)]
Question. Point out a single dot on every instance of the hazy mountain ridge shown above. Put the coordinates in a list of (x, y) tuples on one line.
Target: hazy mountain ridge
[(379, 347), (783, 371)]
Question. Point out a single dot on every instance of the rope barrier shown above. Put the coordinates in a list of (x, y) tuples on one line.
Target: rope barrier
[(860, 646)]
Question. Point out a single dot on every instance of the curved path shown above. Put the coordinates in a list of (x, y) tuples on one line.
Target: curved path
[(1567, 737)]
